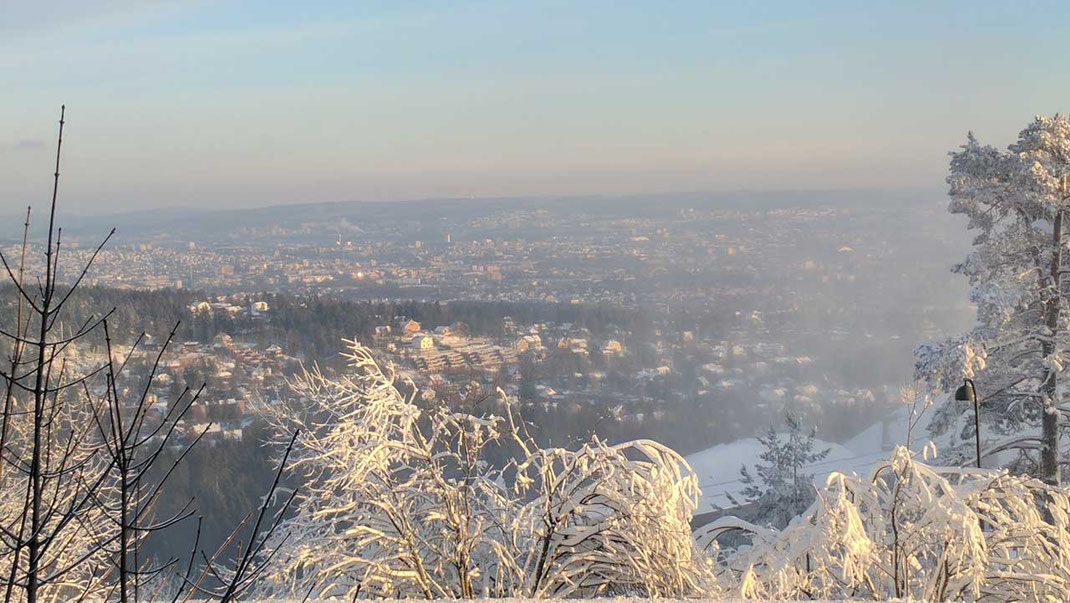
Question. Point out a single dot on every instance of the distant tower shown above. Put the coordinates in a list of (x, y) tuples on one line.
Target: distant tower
[(449, 238)]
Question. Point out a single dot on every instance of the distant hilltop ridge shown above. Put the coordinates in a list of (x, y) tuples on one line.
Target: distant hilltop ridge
[(209, 221)]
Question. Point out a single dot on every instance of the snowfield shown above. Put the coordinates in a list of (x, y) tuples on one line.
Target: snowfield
[(717, 469)]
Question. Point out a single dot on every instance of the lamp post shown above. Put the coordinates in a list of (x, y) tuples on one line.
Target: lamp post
[(968, 393)]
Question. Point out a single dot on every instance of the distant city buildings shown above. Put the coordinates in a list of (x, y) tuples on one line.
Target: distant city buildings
[(769, 307)]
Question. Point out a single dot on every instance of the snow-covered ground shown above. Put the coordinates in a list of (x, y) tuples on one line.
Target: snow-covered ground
[(718, 468)]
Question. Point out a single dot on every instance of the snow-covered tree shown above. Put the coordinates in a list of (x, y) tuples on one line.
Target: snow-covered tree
[(400, 500), (912, 531), (609, 520), (1016, 200), (782, 488), (393, 508)]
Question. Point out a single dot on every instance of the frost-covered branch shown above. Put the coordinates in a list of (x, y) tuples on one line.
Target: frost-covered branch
[(402, 501), (910, 530)]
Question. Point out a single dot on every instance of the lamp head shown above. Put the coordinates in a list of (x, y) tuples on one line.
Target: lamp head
[(965, 393)]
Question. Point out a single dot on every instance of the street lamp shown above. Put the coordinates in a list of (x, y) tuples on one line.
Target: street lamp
[(968, 393)]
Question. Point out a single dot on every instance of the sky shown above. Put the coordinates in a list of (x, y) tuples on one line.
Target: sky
[(237, 104)]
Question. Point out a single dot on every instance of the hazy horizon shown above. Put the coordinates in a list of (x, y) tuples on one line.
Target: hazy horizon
[(230, 104), (40, 204)]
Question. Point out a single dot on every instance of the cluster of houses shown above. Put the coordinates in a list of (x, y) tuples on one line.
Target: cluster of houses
[(446, 348), (222, 306), (236, 374)]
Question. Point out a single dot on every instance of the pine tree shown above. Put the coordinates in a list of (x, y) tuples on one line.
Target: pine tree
[(1017, 200), (782, 489)]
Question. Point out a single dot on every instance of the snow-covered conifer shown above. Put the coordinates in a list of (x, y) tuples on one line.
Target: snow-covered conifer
[(782, 488), (1016, 200)]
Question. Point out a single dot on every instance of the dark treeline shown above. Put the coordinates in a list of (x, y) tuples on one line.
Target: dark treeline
[(310, 327)]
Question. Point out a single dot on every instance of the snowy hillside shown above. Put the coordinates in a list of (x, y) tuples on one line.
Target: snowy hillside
[(718, 468)]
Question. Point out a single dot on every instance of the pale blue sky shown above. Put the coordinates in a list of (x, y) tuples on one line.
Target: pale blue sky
[(220, 103)]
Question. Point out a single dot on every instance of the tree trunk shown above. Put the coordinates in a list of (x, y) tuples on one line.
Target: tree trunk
[(40, 393), (1049, 453)]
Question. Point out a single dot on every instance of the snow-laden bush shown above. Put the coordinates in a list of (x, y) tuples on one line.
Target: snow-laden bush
[(913, 531), (610, 519), (401, 501)]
